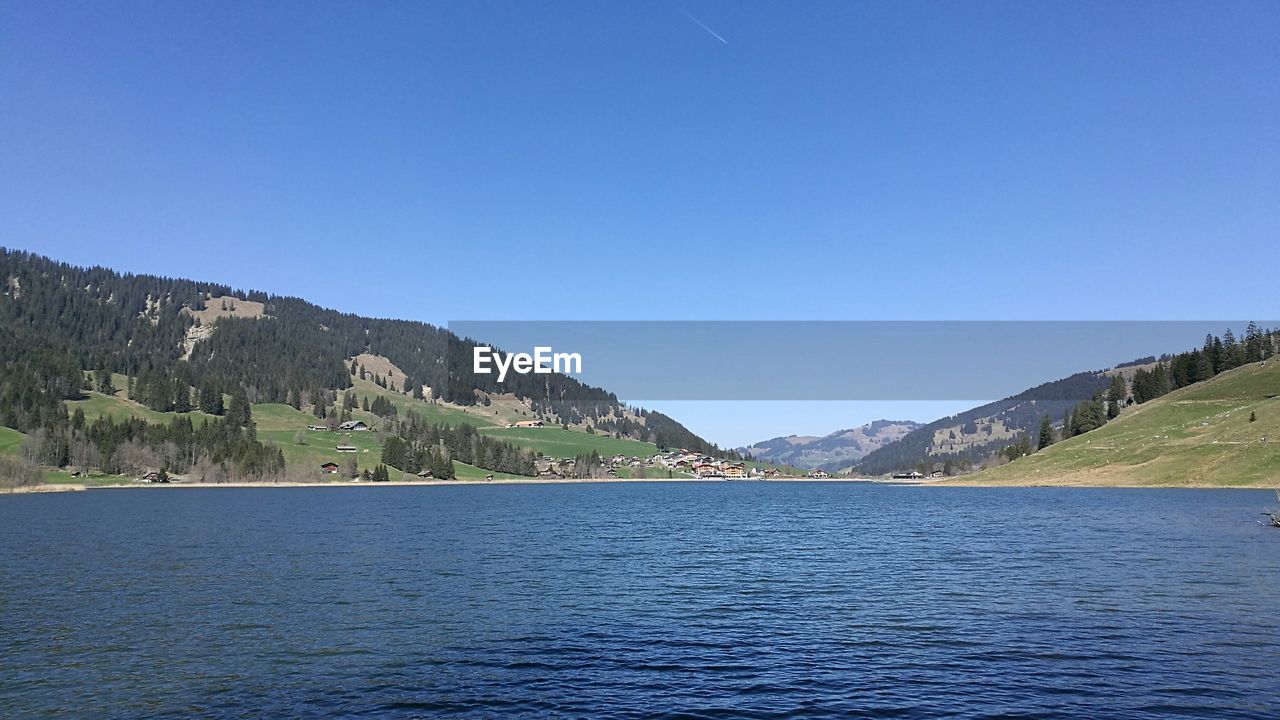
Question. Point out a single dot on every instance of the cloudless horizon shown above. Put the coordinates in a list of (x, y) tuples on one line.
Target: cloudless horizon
[(703, 160)]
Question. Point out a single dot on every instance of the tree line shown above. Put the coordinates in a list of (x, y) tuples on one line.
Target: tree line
[(213, 450), (415, 445)]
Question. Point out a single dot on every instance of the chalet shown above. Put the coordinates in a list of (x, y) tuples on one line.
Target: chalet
[(913, 475), (772, 473), (734, 471), (346, 448), (707, 470), (329, 468), (526, 424), (353, 426), (817, 474), (425, 474)]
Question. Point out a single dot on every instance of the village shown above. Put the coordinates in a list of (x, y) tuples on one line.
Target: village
[(676, 461)]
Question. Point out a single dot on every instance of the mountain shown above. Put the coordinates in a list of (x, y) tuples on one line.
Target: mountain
[(158, 360), (970, 436), (1223, 431), (839, 449)]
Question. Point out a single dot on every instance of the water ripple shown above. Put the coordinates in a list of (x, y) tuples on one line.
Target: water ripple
[(718, 600)]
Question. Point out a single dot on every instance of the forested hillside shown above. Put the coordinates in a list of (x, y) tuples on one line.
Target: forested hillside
[(180, 345)]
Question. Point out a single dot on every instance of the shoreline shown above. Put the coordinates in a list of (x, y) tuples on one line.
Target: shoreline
[(80, 487)]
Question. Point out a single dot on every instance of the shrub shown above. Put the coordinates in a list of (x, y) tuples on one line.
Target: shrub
[(16, 472)]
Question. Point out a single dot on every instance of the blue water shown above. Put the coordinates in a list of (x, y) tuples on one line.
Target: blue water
[(716, 600)]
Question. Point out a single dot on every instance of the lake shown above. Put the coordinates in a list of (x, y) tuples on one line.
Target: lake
[(630, 600)]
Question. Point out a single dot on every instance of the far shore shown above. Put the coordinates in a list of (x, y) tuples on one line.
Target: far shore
[(947, 482)]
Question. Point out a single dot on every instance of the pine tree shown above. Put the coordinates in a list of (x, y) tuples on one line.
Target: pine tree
[(239, 413), (1116, 395), (181, 396), (210, 399), (1253, 345), (394, 452), (104, 384), (1230, 350), (1046, 433)]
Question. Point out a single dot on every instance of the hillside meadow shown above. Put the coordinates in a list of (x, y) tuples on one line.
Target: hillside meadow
[(1198, 436)]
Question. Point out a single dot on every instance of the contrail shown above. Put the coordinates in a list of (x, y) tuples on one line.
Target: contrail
[(702, 25)]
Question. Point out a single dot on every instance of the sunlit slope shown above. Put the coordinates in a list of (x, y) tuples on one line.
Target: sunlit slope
[(558, 442), (431, 412), (10, 441), (1200, 435)]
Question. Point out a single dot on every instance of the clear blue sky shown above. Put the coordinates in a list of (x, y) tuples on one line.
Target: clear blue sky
[(521, 160)]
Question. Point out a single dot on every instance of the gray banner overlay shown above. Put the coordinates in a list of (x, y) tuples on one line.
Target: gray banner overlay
[(838, 360)]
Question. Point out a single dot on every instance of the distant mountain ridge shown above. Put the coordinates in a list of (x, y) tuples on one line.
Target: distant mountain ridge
[(974, 434), (830, 452)]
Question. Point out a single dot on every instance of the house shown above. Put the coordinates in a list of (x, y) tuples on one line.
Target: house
[(346, 448), (353, 426), (318, 428), (734, 471), (913, 475), (817, 474), (772, 473), (526, 424), (707, 470), (329, 468), (425, 474)]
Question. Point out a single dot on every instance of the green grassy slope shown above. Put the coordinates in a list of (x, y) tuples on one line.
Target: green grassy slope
[(10, 441), (1198, 435), (432, 412), (558, 442), (96, 405)]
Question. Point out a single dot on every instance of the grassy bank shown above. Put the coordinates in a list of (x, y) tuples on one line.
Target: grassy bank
[(1197, 436)]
